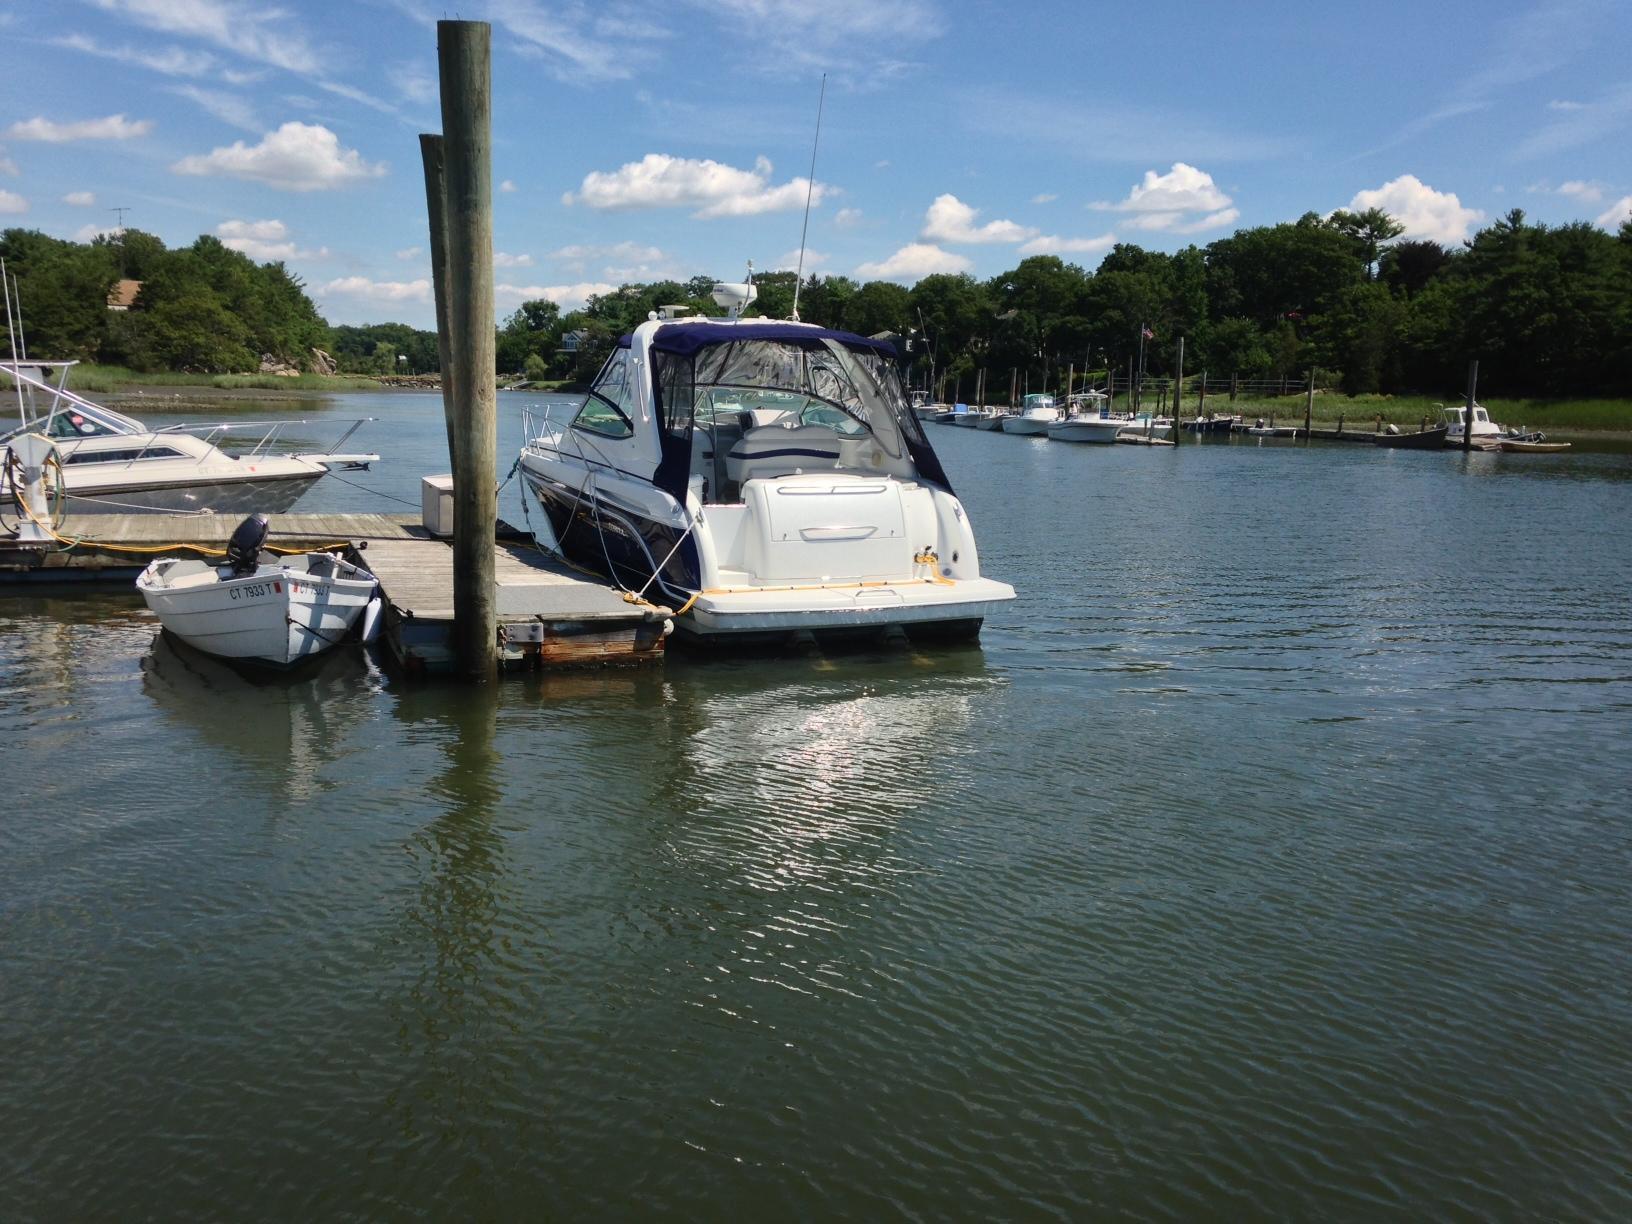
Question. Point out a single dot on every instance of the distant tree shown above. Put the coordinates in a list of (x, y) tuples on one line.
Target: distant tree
[(1407, 267), (1370, 228)]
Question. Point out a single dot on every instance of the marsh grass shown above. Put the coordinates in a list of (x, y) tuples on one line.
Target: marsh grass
[(1360, 411), (103, 380)]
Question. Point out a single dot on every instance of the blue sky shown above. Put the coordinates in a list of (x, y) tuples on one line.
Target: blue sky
[(638, 141)]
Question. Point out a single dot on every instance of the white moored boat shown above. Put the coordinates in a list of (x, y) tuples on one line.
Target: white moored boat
[(1487, 435), (112, 463), (1088, 419), (1037, 413), (276, 610), (762, 479)]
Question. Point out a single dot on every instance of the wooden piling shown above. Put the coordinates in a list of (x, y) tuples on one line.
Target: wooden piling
[(1235, 382), (1467, 416), (1178, 394), (464, 56), (430, 154), (1309, 406)]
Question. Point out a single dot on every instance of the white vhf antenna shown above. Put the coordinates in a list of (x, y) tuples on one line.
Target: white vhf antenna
[(810, 190)]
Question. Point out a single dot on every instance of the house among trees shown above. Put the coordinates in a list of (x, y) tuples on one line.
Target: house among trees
[(123, 294)]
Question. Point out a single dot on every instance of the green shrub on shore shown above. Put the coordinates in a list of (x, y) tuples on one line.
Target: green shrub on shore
[(105, 379)]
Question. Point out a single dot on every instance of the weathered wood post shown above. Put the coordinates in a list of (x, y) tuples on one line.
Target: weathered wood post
[(1467, 414), (1178, 394), (464, 57), (1235, 382), (430, 154), (1309, 406), (1201, 397)]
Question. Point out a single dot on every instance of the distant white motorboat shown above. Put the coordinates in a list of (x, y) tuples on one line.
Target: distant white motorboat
[(991, 418), (1088, 419), (1487, 435), (1145, 425), (1037, 413), (112, 463), (258, 608)]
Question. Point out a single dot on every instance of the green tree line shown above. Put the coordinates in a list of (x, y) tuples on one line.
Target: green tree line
[(1547, 310)]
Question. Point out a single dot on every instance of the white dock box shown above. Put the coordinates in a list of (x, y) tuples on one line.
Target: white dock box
[(436, 504)]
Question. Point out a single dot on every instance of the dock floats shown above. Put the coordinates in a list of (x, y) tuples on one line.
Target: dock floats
[(549, 615)]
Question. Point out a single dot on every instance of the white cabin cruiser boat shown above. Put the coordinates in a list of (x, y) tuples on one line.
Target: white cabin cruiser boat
[(112, 463), (1487, 435), (1037, 413), (259, 608), (763, 479), (1088, 419)]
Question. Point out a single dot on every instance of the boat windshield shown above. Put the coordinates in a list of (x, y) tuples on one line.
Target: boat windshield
[(751, 407)]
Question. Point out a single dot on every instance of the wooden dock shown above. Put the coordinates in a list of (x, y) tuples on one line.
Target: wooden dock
[(549, 615)]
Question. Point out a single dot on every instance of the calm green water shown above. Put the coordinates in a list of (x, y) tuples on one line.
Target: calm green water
[(1270, 856)]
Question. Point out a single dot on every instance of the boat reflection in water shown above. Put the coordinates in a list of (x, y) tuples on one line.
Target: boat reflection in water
[(284, 727)]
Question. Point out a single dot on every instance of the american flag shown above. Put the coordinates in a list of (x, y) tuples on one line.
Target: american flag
[(1147, 333)]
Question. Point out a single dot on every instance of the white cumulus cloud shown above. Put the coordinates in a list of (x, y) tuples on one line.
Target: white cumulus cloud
[(1045, 197), (380, 293), (296, 157), (568, 297), (113, 127), (1185, 200), (80, 199), (507, 186), (410, 252), (503, 260), (913, 262), (949, 219), (7, 166), (1437, 216), (11, 203), (1616, 213), (712, 188), (263, 241), (1052, 244), (846, 218)]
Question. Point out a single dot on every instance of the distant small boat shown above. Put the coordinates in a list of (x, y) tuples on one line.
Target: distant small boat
[(1532, 446), (278, 612), (1426, 439), (990, 419), (1037, 412)]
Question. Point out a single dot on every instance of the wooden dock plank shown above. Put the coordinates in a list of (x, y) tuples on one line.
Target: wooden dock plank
[(549, 614)]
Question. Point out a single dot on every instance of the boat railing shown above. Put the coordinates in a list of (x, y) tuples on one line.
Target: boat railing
[(61, 398), (261, 448), (534, 417)]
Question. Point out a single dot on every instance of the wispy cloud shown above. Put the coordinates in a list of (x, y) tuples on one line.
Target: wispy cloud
[(80, 199), (1109, 131), (171, 61), (113, 127), (12, 204), (1603, 118), (861, 43), (1519, 49), (1052, 244), (270, 36), (232, 109)]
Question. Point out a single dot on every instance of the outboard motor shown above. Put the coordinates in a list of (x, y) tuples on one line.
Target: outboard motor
[(244, 549)]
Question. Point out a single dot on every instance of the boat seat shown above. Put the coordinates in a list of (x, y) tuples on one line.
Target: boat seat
[(781, 450)]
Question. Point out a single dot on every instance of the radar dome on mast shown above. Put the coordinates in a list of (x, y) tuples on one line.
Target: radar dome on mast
[(735, 298)]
